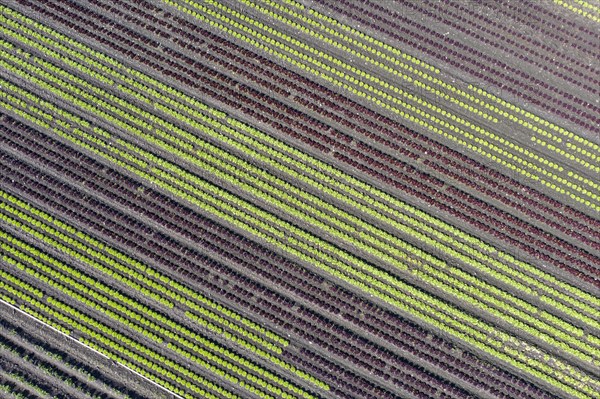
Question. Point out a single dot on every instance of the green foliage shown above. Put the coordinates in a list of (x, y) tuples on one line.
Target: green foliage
[(291, 199)]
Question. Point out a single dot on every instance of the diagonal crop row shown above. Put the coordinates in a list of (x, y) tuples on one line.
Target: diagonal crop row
[(582, 8), (221, 244), (200, 309), (444, 48), (255, 212), (196, 301), (364, 43), (296, 25), (532, 166), (176, 291), (168, 293), (433, 279), (432, 270), (65, 290), (53, 273), (555, 25), (19, 386)]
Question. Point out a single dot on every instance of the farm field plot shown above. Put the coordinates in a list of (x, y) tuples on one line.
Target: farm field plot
[(299, 199)]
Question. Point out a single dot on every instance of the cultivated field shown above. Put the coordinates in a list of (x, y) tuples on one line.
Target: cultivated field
[(299, 199)]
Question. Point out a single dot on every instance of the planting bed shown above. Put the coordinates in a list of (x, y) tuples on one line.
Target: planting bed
[(299, 199)]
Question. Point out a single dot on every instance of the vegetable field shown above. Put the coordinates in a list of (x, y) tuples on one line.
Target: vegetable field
[(300, 199)]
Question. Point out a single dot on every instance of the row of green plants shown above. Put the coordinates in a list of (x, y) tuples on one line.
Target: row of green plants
[(365, 47), (509, 273), (210, 355), (441, 315), (101, 294), (19, 386), (431, 275), (475, 138), (31, 376)]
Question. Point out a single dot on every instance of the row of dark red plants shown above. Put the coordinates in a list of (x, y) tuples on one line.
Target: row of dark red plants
[(506, 37), (128, 231), (479, 65), (153, 250), (401, 336), (239, 66), (40, 191), (63, 366), (410, 180), (525, 46)]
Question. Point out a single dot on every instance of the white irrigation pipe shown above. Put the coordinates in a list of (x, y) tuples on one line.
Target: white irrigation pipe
[(92, 349)]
